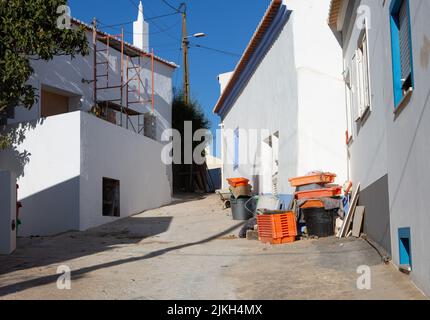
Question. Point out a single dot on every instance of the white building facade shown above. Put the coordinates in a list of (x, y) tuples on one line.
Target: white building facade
[(282, 109), (78, 165), (386, 51)]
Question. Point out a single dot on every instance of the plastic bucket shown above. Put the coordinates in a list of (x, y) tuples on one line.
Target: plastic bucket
[(242, 208), (319, 222)]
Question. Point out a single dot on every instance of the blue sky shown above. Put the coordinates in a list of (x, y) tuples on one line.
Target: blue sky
[(229, 25)]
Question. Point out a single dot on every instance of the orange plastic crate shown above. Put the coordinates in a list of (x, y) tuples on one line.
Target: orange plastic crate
[(320, 193), (312, 203), (322, 178), (278, 240), (238, 182), (277, 226)]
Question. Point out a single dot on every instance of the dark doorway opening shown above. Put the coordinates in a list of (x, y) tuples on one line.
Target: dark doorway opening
[(111, 197)]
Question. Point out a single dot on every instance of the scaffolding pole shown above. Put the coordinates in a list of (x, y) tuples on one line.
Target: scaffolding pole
[(115, 41)]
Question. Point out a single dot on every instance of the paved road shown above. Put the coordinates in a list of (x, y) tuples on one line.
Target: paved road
[(189, 251)]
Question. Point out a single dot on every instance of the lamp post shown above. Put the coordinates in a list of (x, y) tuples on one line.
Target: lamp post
[(185, 47)]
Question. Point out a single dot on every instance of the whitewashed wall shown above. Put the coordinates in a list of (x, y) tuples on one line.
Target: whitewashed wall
[(267, 104), (46, 159), (298, 91), (321, 115), (61, 162), (65, 75), (112, 152), (396, 146), (409, 151)]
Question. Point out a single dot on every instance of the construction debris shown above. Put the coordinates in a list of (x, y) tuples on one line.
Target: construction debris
[(350, 215), (317, 210), (317, 203), (249, 226), (252, 235), (358, 221), (225, 196), (242, 202)]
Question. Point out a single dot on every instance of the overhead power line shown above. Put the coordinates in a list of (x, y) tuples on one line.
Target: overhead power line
[(146, 19), (218, 50), (154, 23), (170, 6), (116, 27)]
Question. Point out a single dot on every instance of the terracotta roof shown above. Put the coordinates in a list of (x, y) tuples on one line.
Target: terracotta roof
[(335, 7), (129, 49), (252, 46)]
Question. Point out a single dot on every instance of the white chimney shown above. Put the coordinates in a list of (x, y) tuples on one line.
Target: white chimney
[(141, 31)]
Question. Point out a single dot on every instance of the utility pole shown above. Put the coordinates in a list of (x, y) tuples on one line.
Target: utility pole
[(185, 47), (95, 62)]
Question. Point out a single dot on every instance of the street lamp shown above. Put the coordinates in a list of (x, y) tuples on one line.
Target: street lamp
[(199, 35)]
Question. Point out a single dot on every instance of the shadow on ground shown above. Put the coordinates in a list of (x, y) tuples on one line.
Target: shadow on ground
[(44, 251), (100, 241)]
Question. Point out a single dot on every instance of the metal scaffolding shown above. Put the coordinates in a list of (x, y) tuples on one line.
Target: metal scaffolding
[(130, 80)]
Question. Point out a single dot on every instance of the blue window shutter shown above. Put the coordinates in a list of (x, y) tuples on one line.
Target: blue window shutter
[(236, 149), (410, 45), (395, 55), (405, 41), (401, 46)]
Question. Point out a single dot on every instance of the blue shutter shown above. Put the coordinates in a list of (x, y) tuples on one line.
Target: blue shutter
[(405, 41), (401, 48), (395, 56)]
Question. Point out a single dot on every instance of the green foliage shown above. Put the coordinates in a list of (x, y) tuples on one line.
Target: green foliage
[(187, 112), (182, 112), (28, 31), (5, 142)]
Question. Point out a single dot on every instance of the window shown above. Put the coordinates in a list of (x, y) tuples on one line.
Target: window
[(363, 76), (53, 103), (236, 149), (360, 79), (111, 198), (357, 80), (401, 47)]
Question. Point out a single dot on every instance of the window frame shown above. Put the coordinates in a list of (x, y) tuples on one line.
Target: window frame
[(366, 88), (400, 93)]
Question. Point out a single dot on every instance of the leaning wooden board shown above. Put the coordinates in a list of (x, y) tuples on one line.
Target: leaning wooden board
[(350, 215), (358, 221)]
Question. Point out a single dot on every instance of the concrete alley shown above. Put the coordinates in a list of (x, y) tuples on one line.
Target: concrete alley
[(190, 250)]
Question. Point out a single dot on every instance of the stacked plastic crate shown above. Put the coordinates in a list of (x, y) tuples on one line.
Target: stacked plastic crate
[(277, 227), (312, 194)]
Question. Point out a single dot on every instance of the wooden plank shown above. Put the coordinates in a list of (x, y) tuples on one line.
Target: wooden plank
[(348, 218), (358, 221)]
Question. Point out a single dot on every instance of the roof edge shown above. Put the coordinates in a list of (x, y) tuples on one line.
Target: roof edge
[(127, 44), (249, 51), (334, 11)]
